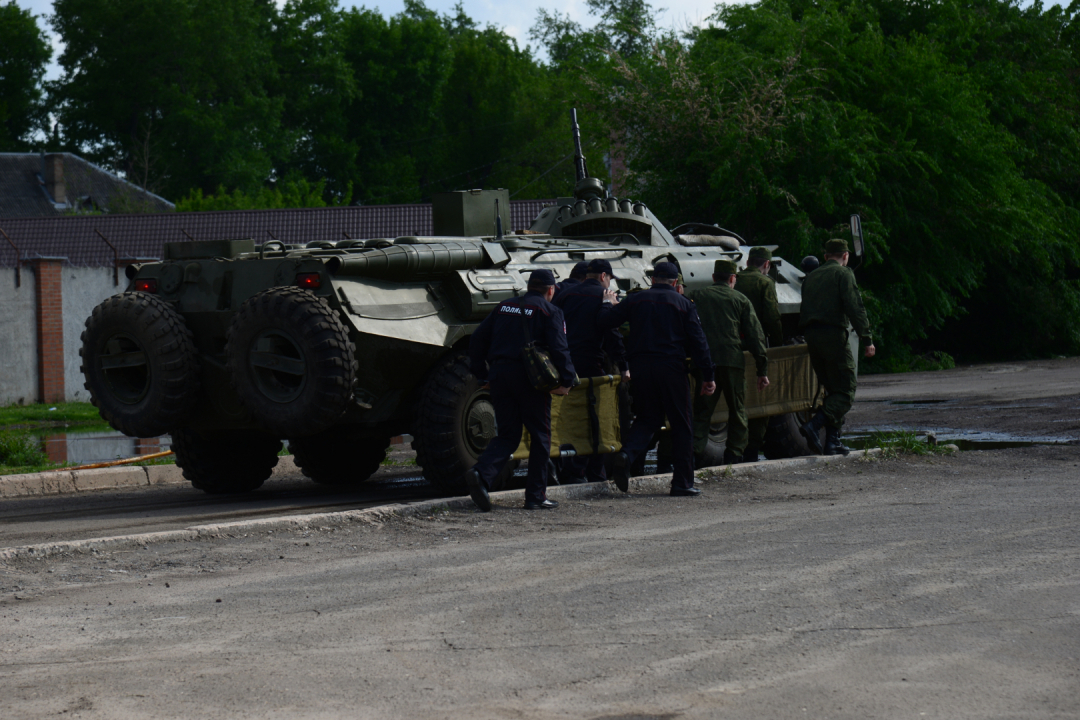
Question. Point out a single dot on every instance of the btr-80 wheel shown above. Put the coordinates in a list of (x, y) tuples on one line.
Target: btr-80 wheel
[(783, 439), (343, 456), (140, 364), (225, 461), (291, 361), (455, 421)]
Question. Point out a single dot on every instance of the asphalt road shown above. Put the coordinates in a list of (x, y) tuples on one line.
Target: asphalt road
[(30, 520), (1030, 400), (1015, 401)]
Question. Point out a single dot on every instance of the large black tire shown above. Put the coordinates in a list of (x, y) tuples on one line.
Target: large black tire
[(140, 364), (225, 461), (291, 361), (783, 439), (455, 421), (342, 456), (713, 456)]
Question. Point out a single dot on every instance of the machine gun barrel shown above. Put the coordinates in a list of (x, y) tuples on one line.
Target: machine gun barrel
[(581, 171)]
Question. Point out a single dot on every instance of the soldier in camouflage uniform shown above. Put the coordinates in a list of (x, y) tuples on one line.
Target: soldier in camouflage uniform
[(754, 282), (830, 301), (729, 322)]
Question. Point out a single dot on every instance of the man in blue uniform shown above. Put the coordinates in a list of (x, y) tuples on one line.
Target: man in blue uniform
[(590, 350), (576, 276), (495, 354), (664, 331)]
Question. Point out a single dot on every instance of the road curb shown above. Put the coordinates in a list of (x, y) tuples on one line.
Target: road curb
[(504, 500), (65, 482)]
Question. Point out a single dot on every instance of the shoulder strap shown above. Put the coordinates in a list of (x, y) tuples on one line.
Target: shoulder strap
[(525, 324)]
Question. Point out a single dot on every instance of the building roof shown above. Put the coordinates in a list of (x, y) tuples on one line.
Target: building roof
[(29, 187), (76, 238)]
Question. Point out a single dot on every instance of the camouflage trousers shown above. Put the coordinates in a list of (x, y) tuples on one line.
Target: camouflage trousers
[(755, 433), (731, 383), (831, 357)]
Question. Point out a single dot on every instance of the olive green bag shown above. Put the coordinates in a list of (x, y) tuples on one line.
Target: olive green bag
[(542, 373)]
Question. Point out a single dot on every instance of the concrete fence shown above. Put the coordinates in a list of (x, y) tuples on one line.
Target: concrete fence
[(41, 321)]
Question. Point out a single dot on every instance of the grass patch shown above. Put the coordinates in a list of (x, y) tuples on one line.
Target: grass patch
[(167, 460), (905, 442), (908, 362), (27, 469), (391, 462), (45, 415), (20, 449)]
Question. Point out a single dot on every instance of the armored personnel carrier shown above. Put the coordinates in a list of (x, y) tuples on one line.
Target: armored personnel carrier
[(336, 347)]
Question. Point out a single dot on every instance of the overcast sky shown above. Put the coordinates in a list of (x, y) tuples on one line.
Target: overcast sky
[(514, 17)]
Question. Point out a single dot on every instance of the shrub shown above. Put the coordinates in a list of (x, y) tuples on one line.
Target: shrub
[(19, 449)]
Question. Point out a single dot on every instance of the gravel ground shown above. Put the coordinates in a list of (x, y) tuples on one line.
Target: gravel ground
[(911, 587)]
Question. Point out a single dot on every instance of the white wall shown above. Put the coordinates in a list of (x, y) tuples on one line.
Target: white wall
[(84, 288), (18, 338)]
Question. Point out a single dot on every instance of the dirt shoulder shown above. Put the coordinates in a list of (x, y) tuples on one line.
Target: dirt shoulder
[(912, 587)]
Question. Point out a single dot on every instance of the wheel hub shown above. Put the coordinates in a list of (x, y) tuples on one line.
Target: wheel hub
[(278, 366), (125, 369), (480, 427)]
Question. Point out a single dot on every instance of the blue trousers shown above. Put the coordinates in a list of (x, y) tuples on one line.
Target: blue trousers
[(517, 403), (660, 387)]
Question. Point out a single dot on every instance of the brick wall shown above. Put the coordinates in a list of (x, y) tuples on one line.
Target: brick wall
[(50, 329)]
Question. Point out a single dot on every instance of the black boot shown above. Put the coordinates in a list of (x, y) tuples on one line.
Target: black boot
[(477, 490), (751, 455), (731, 457), (833, 446), (811, 429), (620, 467)]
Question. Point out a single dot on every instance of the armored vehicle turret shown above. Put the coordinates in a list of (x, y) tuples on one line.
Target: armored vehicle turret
[(336, 347)]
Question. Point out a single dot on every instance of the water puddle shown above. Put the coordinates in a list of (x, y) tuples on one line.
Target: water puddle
[(917, 402), (964, 439), (96, 444)]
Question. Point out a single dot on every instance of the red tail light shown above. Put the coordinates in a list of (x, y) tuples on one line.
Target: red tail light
[(311, 281), (148, 285)]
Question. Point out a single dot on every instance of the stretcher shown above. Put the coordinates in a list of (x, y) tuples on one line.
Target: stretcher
[(586, 420)]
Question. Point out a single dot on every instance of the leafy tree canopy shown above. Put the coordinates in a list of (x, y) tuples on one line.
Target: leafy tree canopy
[(950, 126), (24, 53), (295, 193), (789, 116)]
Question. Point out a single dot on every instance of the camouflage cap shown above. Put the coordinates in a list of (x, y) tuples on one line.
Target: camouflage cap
[(725, 267), (760, 253), (835, 246)]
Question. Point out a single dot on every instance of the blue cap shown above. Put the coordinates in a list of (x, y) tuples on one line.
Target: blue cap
[(580, 270), (541, 277), (600, 265), (666, 271)]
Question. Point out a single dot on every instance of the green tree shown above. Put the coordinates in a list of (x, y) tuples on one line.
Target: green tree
[(295, 193), (788, 116), (501, 124), (316, 86), (24, 53), (401, 65), (173, 93)]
